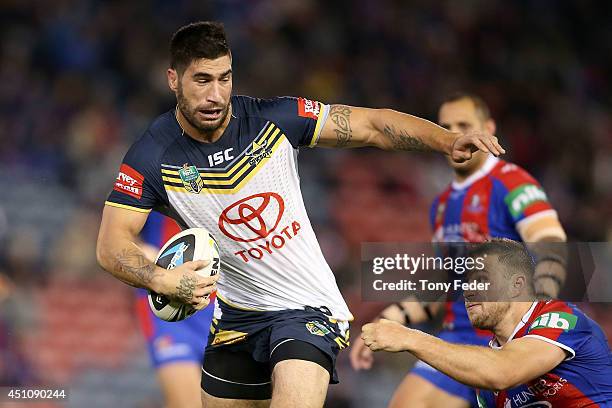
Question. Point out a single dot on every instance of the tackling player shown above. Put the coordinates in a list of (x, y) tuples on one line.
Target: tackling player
[(543, 354), (176, 348), (487, 198), (228, 164)]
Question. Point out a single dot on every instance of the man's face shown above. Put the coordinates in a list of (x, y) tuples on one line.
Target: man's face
[(203, 92), (487, 308), (462, 116)]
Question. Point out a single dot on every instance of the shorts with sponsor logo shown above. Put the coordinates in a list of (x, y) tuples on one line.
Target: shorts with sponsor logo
[(256, 335), (441, 380)]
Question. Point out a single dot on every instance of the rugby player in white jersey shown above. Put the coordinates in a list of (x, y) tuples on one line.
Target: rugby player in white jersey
[(228, 164)]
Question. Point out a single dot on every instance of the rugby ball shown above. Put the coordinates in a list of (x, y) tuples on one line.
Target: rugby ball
[(194, 244)]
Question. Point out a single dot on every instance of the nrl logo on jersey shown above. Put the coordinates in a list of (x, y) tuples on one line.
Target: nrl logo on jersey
[(190, 176), (257, 152)]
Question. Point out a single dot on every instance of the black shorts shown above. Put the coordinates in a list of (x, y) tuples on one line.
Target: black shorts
[(244, 346)]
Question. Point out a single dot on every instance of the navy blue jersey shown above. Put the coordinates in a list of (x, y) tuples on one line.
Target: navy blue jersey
[(256, 127)]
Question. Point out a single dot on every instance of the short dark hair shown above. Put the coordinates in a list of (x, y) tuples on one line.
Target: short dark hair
[(204, 39), (482, 109), (512, 254)]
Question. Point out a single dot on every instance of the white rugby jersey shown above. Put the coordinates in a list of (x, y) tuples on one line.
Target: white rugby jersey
[(245, 190)]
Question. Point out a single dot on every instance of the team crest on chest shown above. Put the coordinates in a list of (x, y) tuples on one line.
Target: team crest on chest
[(257, 152), (190, 176)]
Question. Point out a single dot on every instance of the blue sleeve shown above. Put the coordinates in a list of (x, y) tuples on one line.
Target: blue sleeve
[(561, 326), (300, 119), (139, 185)]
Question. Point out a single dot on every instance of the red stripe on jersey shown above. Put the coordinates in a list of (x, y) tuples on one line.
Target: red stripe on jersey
[(169, 229), (540, 309), (536, 208), (144, 315), (449, 315), (512, 175), (500, 399), (441, 209), (475, 210), (560, 393)]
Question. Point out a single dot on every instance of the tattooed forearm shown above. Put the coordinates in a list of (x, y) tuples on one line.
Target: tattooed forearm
[(185, 288), (341, 117), (134, 268), (402, 140)]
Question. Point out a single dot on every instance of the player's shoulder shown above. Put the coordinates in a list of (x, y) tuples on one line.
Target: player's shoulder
[(161, 133), (276, 107), (557, 314), (512, 175)]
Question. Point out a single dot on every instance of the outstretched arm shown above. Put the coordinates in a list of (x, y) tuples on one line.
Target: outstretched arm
[(387, 129), (476, 366), (408, 312)]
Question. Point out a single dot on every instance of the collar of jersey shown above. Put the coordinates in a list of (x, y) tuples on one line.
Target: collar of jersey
[(478, 174), (495, 344)]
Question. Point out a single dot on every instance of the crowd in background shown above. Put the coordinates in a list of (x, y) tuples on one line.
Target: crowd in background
[(82, 79)]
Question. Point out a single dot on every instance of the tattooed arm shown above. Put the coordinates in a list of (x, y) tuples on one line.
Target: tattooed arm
[(117, 252), (349, 126)]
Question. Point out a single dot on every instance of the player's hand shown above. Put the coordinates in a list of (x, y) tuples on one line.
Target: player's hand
[(360, 355), (185, 285), (467, 143), (386, 335)]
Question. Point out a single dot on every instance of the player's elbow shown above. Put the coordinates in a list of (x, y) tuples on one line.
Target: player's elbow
[(104, 254), (379, 135)]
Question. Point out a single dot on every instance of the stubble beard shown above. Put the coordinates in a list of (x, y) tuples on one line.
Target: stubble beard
[(190, 115), (488, 321)]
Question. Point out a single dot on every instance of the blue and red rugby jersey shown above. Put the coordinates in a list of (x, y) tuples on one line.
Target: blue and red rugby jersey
[(583, 379), (497, 201)]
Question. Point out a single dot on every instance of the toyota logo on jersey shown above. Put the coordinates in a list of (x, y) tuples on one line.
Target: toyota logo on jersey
[(252, 218)]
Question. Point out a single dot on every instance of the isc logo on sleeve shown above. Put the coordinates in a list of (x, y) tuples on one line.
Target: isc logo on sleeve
[(555, 320)]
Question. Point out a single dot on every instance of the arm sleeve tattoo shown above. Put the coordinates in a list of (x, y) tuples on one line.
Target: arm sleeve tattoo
[(402, 140), (341, 117), (134, 268)]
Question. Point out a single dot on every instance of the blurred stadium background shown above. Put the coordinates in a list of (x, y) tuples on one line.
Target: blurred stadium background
[(81, 79)]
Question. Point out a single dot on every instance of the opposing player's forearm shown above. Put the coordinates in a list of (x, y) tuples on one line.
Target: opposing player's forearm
[(551, 265), (472, 365), (126, 261), (401, 131)]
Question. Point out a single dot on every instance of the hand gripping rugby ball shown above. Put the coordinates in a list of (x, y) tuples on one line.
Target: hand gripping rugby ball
[(194, 244)]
